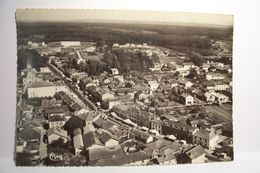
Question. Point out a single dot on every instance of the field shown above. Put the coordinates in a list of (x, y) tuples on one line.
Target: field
[(222, 112), (166, 59)]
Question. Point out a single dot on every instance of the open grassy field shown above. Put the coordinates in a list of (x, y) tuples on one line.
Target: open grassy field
[(222, 112), (169, 59)]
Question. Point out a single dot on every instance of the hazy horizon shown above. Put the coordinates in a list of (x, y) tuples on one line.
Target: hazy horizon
[(121, 16)]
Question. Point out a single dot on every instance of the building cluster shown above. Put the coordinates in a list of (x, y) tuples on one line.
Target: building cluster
[(159, 117)]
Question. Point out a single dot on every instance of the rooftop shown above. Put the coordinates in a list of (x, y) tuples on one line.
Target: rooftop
[(39, 84), (78, 141), (105, 152), (90, 139), (56, 117), (202, 134), (57, 131), (123, 159), (195, 152), (122, 107)]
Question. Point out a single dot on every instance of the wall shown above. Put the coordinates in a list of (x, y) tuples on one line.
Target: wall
[(41, 92)]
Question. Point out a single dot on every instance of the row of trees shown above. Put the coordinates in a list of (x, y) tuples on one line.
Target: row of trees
[(124, 61)]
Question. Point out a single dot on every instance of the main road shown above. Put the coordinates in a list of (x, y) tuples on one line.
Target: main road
[(72, 88)]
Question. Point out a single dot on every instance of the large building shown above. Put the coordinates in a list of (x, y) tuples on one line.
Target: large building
[(70, 43), (43, 89)]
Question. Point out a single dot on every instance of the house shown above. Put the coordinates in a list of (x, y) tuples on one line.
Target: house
[(133, 113), (107, 140), (130, 84), (179, 129), (115, 45), (184, 83), (214, 76), (166, 160), (126, 91), (20, 145), (114, 71), (205, 68), (110, 103), (29, 140), (99, 94), (78, 141), (186, 99), (121, 110), (56, 120), (201, 137), (209, 97), (29, 134), (85, 82), (195, 154), (87, 117), (210, 86), (96, 154), (141, 96), (188, 65), (141, 136), (207, 139), (161, 151), (51, 110), (153, 85), (56, 133), (221, 86), (220, 98), (45, 70), (130, 159), (91, 141), (101, 123), (157, 125), (103, 95), (119, 78)]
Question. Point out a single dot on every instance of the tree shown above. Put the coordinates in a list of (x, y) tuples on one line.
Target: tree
[(193, 74), (197, 59), (74, 63), (73, 123), (155, 57), (176, 74), (143, 66), (92, 67)]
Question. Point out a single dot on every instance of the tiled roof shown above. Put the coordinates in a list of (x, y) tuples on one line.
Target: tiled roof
[(123, 159), (41, 84), (202, 134), (105, 152), (57, 131), (90, 139), (195, 152)]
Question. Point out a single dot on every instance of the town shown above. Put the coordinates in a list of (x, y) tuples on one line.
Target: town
[(93, 104)]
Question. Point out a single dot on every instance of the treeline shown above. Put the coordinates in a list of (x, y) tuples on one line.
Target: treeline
[(162, 35), (92, 67)]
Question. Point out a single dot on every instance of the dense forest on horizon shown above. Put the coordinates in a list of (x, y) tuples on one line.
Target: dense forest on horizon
[(110, 33)]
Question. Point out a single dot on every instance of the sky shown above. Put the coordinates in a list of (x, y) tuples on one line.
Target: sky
[(63, 15)]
